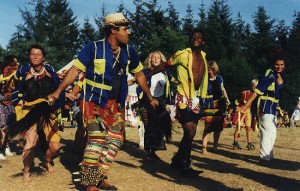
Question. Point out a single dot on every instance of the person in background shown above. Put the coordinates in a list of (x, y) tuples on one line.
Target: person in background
[(268, 92), (157, 122), (214, 105), (7, 112), (71, 104), (295, 118), (247, 119), (105, 65), (136, 122)]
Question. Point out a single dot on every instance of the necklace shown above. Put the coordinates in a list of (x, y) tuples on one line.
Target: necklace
[(37, 73), (117, 52)]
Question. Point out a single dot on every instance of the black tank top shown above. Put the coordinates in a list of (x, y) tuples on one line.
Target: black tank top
[(38, 88)]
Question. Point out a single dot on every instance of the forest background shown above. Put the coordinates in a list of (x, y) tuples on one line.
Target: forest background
[(240, 50)]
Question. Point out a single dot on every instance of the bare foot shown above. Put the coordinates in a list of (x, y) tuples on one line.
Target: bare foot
[(26, 177), (49, 167), (204, 152)]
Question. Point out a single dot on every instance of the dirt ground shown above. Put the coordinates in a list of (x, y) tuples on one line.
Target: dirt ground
[(225, 170)]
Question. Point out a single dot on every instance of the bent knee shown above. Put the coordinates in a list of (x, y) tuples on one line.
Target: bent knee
[(54, 146)]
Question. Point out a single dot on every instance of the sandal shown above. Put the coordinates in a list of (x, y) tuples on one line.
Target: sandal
[(236, 145), (250, 146)]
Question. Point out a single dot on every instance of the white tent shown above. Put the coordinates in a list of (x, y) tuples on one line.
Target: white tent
[(64, 69)]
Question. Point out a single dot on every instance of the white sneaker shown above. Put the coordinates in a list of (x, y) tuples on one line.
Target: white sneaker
[(2, 157), (8, 152)]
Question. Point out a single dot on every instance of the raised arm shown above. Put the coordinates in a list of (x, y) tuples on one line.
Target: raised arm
[(162, 67)]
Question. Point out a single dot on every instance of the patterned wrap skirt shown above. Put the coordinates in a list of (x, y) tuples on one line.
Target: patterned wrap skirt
[(214, 118)]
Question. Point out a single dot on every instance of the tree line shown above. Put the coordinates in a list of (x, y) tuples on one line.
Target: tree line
[(240, 50)]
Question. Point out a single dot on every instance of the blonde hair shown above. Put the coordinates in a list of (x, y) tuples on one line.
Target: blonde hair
[(147, 62), (213, 66), (254, 82)]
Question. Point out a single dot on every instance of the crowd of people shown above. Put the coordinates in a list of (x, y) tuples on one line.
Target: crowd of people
[(99, 81)]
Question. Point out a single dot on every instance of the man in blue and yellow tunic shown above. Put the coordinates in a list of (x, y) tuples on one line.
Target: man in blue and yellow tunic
[(105, 64), (268, 92)]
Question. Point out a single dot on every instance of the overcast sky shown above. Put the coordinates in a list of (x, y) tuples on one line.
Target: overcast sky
[(276, 9)]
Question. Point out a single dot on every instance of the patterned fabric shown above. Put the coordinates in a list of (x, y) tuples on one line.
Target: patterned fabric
[(94, 147), (155, 122), (114, 142), (96, 60), (214, 119), (7, 113), (51, 129), (214, 92), (104, 140), (90, 175)]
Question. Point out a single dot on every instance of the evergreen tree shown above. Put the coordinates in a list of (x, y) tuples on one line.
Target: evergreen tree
[(137, 25), (188, 21), (3, 53), (241, 36), (237, 75), (202, 21), (172, 20), (214, 33), (262, 40), (19, 46), (63, 32), (148, 22), (227, 28), (172, 41), (293, 64), (121, 8), (99, 20), (35, 22), (33, 30), (87, 33), (281, 34)]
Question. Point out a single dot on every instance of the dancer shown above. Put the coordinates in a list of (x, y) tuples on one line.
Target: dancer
[(268, 91), (157, 122), (247, 119), (7, 111), (214, 104), (37, 80), (105, 64), (192, 83)]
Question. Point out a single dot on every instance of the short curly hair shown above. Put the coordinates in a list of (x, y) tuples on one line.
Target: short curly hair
[(37, 46)]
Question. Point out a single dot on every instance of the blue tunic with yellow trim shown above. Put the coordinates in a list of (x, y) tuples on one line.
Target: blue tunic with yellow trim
[(97, 60), (269, 92)]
